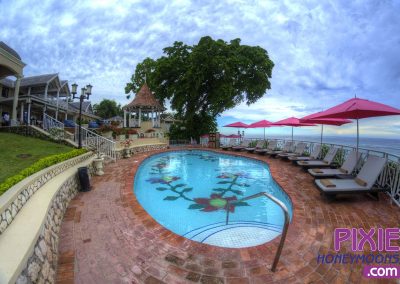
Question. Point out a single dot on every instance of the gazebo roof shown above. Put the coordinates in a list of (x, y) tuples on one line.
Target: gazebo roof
[(145, 100)]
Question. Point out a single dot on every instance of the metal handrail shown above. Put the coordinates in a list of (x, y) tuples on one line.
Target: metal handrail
[(101, 144), (285, 226), (50, 123)]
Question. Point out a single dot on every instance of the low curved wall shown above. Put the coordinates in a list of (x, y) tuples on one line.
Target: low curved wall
[(140, 149), (31, 216), (41, 266), (12, 201)]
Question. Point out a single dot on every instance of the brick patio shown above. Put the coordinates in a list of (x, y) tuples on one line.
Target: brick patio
[(106, 237)]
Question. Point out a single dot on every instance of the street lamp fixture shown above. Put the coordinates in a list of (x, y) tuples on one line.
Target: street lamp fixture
[(85, 93)]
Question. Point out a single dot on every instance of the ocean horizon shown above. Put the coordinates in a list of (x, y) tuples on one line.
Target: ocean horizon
[(388, 145)]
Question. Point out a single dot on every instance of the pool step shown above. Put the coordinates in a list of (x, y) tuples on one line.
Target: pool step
[(236, 234)]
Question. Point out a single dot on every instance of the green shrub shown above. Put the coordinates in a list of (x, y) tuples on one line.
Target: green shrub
[(38, 166), (324, 150)]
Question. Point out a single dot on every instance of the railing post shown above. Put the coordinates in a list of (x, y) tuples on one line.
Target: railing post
[(285, 226)]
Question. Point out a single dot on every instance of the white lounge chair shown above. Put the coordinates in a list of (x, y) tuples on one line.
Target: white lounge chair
[(363, 183), (313, 156), (286, 149), (229, 145), (326, 162), (346, 169), (300, 147), (244, 145), (259, 145), (271, 146)]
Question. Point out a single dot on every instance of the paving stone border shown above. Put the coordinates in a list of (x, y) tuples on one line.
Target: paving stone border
[(42, 264), (117, 241), (20, 193)]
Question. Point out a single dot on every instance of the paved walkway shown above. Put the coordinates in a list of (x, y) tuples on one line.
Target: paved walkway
[(106, 237)]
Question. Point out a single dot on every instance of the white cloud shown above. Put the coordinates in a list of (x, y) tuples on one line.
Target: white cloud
[(324, 51)]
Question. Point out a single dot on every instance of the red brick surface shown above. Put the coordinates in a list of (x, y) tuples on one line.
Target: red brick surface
[(107, 237)]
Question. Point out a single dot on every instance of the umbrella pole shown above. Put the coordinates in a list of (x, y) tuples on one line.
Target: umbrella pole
[(292, 135), (322, 131), (358, 134), (264, 133)]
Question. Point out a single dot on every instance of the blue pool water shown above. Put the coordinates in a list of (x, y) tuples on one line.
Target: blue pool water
[(187, 193)]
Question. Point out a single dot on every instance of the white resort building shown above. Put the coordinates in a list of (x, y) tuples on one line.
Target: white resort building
[(27, 99)]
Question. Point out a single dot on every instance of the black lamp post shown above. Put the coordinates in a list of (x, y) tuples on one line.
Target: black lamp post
[(85, 93)]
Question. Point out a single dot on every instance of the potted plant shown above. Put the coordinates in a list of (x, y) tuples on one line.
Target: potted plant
[(98, 161), (84, 122), (126, 144), (150, 132), (106, 130), (115, 123), (120, 133), (132, 133)]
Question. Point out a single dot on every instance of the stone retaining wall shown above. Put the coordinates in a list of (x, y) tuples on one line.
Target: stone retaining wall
[(42, 265), (32, 132), (26, 131), (140, 149), (25, 191)]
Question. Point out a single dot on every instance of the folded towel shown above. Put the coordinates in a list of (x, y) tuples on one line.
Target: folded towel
[(327, 183), (317, 171), (360, 182), (343, 171)]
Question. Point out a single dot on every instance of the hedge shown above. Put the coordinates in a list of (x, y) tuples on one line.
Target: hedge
[(38, 166)]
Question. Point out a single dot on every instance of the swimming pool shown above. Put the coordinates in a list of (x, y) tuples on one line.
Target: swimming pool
[(187, 192)]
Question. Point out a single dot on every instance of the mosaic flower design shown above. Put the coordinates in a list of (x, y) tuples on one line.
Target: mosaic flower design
[(217, 202), (204, 157), (163, 180), (229, 183), (160, 166), (231, 175), (231, 180)]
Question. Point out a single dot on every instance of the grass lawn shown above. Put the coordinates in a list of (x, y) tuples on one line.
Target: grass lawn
[(18, 152)]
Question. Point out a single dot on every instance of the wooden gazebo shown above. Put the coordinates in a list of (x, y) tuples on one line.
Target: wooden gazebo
[(144, 105)]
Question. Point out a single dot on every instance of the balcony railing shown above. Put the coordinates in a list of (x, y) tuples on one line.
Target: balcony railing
[(389, 178)]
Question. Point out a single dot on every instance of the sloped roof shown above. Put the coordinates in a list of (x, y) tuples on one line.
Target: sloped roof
[(85, 105), (115, 118), (144, 99), (9, 50), (37, 80), (7, 82)]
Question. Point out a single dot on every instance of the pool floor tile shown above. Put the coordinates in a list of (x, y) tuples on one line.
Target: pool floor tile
[(107, 237)]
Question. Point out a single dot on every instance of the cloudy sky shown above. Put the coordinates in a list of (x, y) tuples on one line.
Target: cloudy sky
[(324, 52)]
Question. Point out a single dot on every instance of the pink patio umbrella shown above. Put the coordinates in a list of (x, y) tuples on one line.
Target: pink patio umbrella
[(357, 108), (291, 121), (324, 121), (233, 136), (261, 124), (237, 125)]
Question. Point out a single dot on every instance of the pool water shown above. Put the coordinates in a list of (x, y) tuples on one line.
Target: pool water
[(188, 192)]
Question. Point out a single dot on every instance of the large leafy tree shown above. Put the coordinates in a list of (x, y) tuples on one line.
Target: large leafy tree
[(204, 80), (107, 108)]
